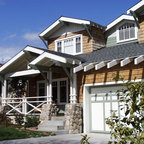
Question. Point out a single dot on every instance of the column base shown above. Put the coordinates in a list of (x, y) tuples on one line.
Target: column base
[(73, 118), (48, 110)]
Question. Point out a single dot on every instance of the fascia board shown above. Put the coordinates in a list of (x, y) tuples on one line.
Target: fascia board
[(50, 56), (34, 50), (11, 61), (126, 17), (136, 7)]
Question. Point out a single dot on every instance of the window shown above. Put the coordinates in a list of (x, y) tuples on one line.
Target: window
[(127, 31), (70, 45)]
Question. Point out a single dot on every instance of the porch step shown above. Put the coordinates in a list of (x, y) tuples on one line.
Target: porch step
[(52, 125), (58, 118)]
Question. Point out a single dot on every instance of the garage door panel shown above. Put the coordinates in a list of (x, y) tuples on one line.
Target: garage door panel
[(104, 100), (107, 114), (97, 117)]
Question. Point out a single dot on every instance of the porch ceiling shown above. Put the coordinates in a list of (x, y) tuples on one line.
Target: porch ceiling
[(19, 64)]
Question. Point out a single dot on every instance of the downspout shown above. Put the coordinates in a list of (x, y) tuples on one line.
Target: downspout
[(135, 18), (43, 41)]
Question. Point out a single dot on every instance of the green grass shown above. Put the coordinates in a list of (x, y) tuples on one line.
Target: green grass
[(9, 133)]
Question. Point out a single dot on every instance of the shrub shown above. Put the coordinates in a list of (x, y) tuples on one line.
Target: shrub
[(31, 121), (130, 127), (19, 119)]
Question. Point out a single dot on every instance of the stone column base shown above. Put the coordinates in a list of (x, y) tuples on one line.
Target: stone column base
[(48, 110), (73, 118)]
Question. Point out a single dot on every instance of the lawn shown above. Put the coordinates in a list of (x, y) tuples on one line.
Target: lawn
[(9, 133)]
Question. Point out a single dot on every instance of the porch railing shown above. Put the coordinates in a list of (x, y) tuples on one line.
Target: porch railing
[(25, 106)]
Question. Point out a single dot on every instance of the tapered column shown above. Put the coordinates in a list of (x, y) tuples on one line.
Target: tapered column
[(49, 87), (73, 87)]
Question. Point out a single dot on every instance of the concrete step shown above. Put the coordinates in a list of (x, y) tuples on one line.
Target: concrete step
[(50, 128), (57, 118), (52, 123), (62, 132)]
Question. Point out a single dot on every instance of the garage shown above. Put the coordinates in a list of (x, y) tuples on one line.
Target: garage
[(100, 101)]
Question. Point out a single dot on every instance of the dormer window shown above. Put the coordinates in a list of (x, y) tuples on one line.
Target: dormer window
[(71, 45), (127, 31)]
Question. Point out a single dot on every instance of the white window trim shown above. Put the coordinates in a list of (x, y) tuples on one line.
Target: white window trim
[(58, 89), (62, 40), (117, 32), (41, 81)]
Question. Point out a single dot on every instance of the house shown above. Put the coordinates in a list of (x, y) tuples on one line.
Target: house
[(77, 69)]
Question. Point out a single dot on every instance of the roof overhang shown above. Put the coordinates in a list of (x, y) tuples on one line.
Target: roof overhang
[(18, 58), (48, 59), (119, 19), (136, 7), (60, 22)]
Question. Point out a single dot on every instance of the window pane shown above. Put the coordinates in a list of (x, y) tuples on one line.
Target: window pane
[(78, 44), (127, 31), (68, 46), (63, 93), (59, 46), (132, 31)]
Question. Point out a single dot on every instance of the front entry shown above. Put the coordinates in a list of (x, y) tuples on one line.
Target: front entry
[(59, 92)]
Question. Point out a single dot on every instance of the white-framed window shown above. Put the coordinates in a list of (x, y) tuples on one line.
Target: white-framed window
[(71, 45), (126, 31)]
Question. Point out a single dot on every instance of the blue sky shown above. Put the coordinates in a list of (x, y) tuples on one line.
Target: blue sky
[(22, 20)]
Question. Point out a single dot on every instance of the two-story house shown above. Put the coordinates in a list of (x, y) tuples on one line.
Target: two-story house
[(77, 69)]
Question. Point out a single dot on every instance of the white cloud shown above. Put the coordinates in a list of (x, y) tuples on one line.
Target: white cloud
[(31, 37), (7, 53), (10, 36)]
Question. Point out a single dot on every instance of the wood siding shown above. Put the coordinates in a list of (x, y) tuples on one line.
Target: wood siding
[(89, 45), (128, 72), (141, 30)]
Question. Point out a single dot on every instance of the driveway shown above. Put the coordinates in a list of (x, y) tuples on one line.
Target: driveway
[(62, 139)]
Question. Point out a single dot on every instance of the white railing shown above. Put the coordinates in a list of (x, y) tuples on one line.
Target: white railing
[(25, 106)]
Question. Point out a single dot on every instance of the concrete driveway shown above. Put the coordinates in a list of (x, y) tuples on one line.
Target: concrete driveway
[(62, 139)]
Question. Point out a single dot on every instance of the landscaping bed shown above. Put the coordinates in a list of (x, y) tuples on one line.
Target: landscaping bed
[(10, 133)]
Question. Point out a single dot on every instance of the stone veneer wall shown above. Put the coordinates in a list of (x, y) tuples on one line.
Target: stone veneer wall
[(73, 118), (48, 110)]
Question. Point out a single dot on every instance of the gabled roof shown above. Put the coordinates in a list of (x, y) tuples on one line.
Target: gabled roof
[(58, 23), (20, 59), (136, 6), (115, 52), (119, 19)]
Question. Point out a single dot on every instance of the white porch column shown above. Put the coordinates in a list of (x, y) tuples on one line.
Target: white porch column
[(73, 87), (4, 92), (49, 87)]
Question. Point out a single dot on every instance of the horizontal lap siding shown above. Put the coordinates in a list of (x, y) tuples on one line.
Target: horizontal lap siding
[(129, 72)]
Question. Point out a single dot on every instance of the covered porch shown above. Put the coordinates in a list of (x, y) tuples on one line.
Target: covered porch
[(48, 77)]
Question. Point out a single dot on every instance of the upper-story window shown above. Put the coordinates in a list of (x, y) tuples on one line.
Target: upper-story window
[(126, 32), (71, 45)]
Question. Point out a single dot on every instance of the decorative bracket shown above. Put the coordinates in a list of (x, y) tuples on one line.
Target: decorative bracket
[(43, 75), (87, 29), (135, 18)]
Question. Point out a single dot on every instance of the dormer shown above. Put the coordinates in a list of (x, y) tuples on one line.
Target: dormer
[(122, 30), (73, 36)]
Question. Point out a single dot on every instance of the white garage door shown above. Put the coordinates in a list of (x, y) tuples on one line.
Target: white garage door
[(103, 100)]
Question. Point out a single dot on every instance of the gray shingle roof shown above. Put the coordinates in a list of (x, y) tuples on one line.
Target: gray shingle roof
[(115, 52), (63, 54)]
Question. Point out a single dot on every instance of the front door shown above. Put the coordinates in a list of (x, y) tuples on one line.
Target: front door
[(59, 91)]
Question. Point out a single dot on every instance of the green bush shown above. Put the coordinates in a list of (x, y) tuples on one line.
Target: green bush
[(19, 119), (130, 127), (31, 121)]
